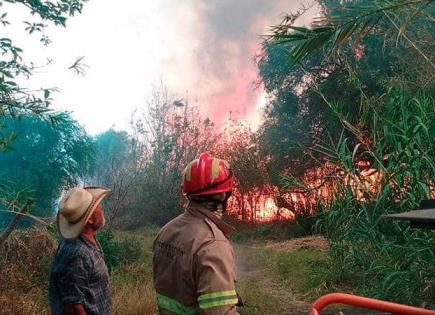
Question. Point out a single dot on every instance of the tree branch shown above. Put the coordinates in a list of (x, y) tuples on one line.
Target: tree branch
[(14, 222)]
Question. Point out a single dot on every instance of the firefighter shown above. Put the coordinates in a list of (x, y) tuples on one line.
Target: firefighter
[(193, 261)]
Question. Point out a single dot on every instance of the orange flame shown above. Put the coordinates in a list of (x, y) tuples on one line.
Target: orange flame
[(264, 209), (269, 211)]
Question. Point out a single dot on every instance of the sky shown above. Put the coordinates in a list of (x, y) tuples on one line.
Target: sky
[(202, 51)]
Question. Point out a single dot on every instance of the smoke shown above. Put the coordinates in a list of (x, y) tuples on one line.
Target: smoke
[(221, 38), (201, 50)]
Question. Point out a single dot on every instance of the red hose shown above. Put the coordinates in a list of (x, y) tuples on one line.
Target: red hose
[(359, 301)]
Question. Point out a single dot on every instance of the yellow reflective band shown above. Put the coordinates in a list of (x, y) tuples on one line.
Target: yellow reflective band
[(217, 294), (218, 299), (174, 306), (188, 172), (232, 301), (215, 168)]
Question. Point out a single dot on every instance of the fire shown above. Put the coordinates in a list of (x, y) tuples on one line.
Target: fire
[(269, 211), (264, 209)]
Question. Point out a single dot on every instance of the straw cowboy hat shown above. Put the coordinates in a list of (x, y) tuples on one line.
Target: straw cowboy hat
[(76, 207)]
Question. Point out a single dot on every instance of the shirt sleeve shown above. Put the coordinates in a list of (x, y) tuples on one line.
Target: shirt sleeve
[(215, 278), (73, 281)]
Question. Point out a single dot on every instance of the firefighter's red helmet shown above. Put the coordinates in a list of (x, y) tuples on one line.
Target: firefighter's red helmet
[(207, 175)]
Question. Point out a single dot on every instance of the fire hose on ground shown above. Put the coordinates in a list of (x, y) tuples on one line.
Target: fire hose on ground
[(367, 303)]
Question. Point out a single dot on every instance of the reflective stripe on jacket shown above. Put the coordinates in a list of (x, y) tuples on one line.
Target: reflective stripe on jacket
[(193, 265)]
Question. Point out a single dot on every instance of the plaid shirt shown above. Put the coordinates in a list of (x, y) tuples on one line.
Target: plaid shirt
[(79, 275)]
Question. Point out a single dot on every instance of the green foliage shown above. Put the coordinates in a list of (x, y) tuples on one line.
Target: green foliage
[(310, 103), (350, 23), (369, 109), (113, 150), (15, 99), (394, 261), (45, 159), (118, 252), (308, 223), (117, 168)]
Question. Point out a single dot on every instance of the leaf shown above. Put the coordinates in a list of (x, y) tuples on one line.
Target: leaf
[(359, 20)]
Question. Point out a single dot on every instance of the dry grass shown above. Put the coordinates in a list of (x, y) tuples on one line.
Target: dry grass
[(134, 299), (27, 304), (24, 260), (133, 291), (263, 291), (132, 284), (273, 279)]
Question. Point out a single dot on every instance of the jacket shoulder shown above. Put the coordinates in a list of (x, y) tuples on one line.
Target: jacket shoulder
[(204, 229), (217, 234), (185, 227)]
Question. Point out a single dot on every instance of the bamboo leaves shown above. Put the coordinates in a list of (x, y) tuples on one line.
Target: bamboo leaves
[(405, 154), (350, 25)]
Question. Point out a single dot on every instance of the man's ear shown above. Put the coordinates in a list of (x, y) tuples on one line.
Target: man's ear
[(91, 219)]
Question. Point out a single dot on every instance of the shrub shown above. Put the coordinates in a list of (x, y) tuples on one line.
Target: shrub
[(131, 249), (117, 252)]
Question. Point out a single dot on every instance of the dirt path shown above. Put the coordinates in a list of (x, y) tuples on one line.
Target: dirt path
[(263, 291)]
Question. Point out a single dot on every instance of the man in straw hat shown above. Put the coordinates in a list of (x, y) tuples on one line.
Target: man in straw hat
[(79, 280)]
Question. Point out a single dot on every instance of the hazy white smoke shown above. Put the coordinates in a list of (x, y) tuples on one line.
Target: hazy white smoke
[(203, 50)]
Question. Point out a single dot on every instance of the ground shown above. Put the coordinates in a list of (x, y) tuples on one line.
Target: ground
[(265, 283), (274, 277)]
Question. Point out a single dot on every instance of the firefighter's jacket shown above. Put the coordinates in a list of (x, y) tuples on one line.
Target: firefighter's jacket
[(193, 264)]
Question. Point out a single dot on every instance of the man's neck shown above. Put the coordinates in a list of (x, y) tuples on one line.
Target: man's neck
[(89, 233)]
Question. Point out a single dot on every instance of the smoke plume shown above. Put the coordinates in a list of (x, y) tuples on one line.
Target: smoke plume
[(215, 62)]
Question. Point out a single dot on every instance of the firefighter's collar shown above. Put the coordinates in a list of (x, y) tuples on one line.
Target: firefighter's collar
[(221, 224)]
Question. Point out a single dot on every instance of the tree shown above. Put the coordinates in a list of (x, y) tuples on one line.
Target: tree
[(345, 22), (46, 159), (238, 145), (375, 128), (337, 81), (116, 167), (170, 133), (15, 99)]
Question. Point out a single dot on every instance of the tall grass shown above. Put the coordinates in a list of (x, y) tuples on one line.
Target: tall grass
[(132, 283), (388, 259), (133, 291)]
